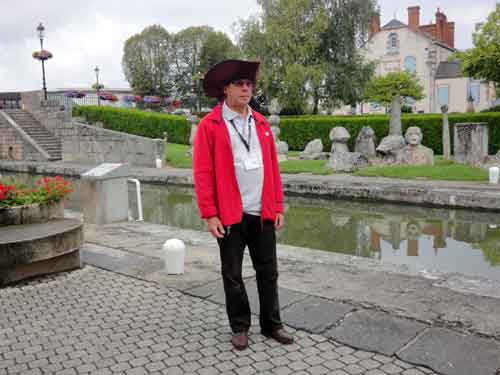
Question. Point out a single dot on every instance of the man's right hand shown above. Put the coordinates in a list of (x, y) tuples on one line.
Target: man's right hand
[(215, 227)]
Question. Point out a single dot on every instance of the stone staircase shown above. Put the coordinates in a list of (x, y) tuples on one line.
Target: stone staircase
[(37, 132)]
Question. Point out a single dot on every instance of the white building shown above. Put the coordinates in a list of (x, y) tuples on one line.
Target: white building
[(425, 50)]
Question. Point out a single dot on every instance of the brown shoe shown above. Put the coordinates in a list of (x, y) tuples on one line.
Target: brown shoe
[(280, 335), (240, 340)]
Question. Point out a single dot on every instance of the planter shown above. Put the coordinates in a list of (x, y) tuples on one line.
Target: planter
[(31, 214)]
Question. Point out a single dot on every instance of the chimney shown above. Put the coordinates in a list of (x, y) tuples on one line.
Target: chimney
[(441, 28), (451, 34), (414, 17), (375, 25)]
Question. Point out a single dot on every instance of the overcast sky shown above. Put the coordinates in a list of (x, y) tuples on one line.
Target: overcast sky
[(83, 34)]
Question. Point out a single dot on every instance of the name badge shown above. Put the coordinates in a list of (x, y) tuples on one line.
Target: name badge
[(252, 163)]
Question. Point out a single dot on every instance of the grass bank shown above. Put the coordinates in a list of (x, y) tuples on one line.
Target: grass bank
[(177, 157)]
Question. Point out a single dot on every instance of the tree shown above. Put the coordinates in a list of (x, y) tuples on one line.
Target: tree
[(218, 47), (146, 61), (186, 50), (392, 88), (308, 50), (482, 61), (347, 72)]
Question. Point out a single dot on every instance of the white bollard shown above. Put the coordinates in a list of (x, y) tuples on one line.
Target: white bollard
[(174, 252), (494, 175), (159, 163)]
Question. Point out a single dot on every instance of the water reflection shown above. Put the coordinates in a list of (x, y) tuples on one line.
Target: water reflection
[(421, 238)]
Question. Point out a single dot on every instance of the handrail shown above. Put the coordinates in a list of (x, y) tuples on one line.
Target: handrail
[(139, 199)]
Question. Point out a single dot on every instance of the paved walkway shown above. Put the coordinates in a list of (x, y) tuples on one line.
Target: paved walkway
[(93, 321), (123, 314)]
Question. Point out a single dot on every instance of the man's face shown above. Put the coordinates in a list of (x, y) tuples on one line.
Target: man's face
[(239, 92)]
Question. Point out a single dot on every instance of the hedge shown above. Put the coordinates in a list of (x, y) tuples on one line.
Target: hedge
[(297, 131), (134, 121)]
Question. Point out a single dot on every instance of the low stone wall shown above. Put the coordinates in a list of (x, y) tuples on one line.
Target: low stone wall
[(86, 143), (90, 144), (14, 147)]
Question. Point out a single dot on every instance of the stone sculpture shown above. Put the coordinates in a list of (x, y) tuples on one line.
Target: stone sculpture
[(446, 133), (194, 120), (347, 161), (341, 160), (281, 146), (365, 142), (471, 143), (414, 153), (339, 137), (313, 151), (389, 146), (274, 121)]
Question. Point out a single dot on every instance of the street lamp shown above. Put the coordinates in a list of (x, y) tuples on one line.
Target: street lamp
[(41, 35), (96, 70)]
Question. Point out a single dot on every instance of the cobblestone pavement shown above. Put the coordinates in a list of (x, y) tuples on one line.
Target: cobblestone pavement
[(99, 322)]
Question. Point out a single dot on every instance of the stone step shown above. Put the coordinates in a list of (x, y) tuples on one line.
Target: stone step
[(36, 249)]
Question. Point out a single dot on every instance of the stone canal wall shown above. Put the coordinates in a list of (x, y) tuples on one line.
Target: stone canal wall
[(450, 194)]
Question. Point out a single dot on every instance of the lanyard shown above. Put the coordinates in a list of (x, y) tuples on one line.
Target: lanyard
[(243, 140)]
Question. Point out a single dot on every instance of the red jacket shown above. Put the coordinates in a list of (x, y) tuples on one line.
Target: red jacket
[(215, 180)]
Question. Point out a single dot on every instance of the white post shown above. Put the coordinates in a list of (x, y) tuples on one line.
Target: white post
[(174, 252), (494, 175)]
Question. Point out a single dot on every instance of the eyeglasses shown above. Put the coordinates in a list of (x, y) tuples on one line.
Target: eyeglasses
[(243, 82)]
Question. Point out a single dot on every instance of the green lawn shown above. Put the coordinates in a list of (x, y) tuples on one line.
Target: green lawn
[(442, 170), (176, 156)]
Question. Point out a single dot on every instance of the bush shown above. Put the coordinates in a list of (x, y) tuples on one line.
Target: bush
[(297, 131), (492, 109), (133, 121)]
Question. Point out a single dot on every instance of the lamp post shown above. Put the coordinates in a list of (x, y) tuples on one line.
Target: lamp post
[(96, 70), (41, 35)]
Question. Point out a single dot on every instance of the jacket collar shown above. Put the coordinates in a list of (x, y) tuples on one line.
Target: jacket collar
[(216, 116)]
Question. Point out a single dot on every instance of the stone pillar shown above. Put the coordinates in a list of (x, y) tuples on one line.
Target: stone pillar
[(274, 121), (471, 143), (395, 126), (194, 120), (446, 133), (104, 193)]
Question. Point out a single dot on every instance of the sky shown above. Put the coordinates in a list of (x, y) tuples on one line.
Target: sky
[(83, 34)]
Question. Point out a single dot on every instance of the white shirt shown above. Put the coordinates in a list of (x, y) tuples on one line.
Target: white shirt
[(248, 165)]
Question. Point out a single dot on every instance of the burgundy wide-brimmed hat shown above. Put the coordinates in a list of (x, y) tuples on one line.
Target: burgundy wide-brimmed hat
[(223, 73)]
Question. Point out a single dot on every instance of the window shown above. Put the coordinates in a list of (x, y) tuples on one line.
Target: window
[(393, 44), (474, 90), (444, 95), (411, 64)]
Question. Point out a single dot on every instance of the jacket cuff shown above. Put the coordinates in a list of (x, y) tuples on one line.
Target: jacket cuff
[(279, 208), (209, 213)]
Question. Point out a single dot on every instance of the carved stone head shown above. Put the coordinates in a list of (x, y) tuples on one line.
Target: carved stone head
[(413, 136)]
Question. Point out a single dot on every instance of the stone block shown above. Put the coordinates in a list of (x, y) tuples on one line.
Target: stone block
[(375, 331), (470, 143), (315, 314), (451, 353)]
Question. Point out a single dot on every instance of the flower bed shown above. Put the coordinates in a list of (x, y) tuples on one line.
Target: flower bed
[(20, 204)]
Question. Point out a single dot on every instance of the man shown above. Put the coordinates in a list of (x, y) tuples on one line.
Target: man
[(239, 193)]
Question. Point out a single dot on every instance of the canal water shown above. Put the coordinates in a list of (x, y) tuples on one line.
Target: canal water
[(422, 238)]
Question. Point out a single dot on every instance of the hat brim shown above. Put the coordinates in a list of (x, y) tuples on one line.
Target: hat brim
[(226, 71)]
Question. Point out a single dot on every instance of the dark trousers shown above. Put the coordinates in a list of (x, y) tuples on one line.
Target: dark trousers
[(261, 241)]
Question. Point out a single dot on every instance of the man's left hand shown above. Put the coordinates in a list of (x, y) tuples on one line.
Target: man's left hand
[(279, 222)]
